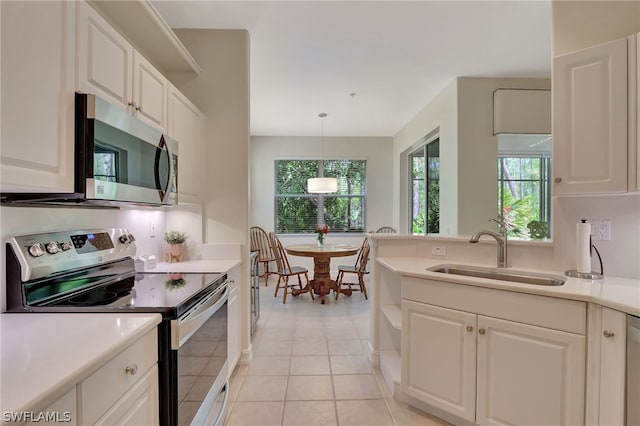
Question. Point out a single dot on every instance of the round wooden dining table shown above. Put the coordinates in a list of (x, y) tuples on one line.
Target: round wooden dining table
[(322, 284)]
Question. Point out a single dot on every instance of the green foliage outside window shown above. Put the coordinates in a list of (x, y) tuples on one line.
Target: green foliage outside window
[(297, 211)]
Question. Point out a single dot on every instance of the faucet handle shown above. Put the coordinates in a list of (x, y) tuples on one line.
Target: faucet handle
[(503, 226)]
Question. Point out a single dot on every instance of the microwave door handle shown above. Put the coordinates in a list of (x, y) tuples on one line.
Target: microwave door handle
[(162, 189)]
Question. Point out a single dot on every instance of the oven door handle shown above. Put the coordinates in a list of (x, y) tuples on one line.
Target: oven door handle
[(192, 320)]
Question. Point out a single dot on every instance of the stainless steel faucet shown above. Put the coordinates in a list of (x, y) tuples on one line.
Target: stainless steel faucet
[(501, 239)]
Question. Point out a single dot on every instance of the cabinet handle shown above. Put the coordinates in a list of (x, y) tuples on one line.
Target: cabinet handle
[(131, 369), (558, 180), (608, 334), (132, 104), (481, 331), (469, 328), (139, 108)]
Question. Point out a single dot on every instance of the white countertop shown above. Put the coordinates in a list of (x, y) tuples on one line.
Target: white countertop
[(622, 294), (45, 355), (196, 266)]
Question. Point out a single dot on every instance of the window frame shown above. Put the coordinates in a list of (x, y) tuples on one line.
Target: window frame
[(321, 197), (424, 148)]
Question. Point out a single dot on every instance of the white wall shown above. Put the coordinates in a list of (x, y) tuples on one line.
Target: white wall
[(463, 115), (264, 150), (30, 220)]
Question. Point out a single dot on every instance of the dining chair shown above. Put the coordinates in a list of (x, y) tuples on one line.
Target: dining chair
[(285, 270), (360, 269), (386, 230), (260, 242)]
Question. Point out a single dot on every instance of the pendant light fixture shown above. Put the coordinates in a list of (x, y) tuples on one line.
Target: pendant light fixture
[(322, 185)]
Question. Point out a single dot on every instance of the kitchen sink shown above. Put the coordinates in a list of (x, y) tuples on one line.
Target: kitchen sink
[(522, 277)]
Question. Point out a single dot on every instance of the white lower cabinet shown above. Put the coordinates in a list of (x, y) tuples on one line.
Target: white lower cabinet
[(63, 410), (234, 328), (123, 391), (474, 356), (528, 375), (439, 357)]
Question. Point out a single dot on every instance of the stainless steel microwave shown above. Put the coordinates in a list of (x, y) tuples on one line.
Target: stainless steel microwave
[(119, 160)]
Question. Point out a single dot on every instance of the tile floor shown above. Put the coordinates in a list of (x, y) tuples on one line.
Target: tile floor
[(310, 367)]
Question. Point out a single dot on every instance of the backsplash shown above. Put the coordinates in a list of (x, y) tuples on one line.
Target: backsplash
[(141, 222), (621, 255)]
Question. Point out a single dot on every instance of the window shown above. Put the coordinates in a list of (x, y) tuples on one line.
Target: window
[(297, 211), (524, 194), (424, 164)]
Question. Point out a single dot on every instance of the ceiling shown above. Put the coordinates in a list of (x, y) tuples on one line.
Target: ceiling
[(371, 66)]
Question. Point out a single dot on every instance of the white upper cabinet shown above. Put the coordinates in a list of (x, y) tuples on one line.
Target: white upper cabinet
[(590, 116), (109, 67), (186, 125), (150, 90), (105, 59), (38, 45)]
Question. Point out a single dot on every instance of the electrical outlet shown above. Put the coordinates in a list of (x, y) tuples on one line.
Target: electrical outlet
[(600, 230), (152, 229), (438, 251)]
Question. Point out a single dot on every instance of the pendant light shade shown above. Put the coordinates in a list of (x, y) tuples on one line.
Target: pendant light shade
[(322, 185)]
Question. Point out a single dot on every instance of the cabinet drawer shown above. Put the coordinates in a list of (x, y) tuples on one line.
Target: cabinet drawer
[(550, 312), (104, 387)]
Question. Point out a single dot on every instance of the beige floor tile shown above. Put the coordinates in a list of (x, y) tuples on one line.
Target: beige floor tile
[(309, 413), (309, 365), (345, 332), (307, 388), (263, 388), (346, 347), (269, 366), (371, 412), (255, 413), (359, 386), (350, 364), (278, 334), (273, 348), (310, 346), (405, 415)]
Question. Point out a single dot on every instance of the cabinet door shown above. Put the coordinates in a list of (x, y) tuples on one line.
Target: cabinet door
[(439, 357), (149, 93), (139, 406), (612, 367), (233, 325), (62, 411), (186, 125), (590, 120), (529, 375), (38, 83), (105, 59)]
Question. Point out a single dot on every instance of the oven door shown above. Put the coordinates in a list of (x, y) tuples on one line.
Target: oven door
[(199, 337)]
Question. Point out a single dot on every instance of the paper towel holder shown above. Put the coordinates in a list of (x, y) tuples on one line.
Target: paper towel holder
[(572, 273)]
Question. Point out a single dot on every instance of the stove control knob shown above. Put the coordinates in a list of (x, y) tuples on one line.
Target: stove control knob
[(65, 245), (131, 238), (124, 239), (36, 250), (53, 247)]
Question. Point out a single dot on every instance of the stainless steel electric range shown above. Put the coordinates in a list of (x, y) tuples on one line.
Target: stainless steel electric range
[(93, 271)]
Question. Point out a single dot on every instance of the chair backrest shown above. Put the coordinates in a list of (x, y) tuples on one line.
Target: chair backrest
[(363, 256), (260, 241), (386, 230), (282, 261)]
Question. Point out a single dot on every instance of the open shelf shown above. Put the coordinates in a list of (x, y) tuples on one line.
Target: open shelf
[(149, 33), (393, 315)]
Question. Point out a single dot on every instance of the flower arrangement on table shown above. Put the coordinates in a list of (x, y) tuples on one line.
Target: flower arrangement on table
[(322, 231)]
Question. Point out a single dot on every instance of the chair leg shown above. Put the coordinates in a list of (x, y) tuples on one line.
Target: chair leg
[(266, 273), (286, 287), (363, 288), (277, 286), (299, 282), (306, 276), (339, 283)]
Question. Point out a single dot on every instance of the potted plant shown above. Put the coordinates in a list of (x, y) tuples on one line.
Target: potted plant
[(175, 245)]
